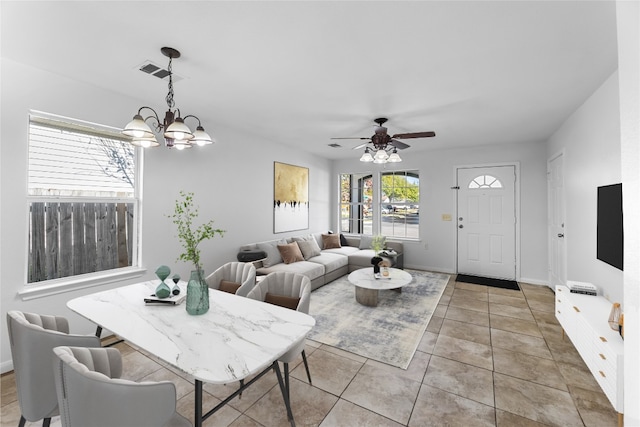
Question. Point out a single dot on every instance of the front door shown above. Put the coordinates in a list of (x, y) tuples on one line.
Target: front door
[(486, 221)]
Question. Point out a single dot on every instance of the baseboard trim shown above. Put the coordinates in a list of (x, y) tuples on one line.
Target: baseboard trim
[(6, 366), (534, 282)]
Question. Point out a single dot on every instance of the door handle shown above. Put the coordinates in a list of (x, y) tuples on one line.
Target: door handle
[(461, 226), (560, 235)]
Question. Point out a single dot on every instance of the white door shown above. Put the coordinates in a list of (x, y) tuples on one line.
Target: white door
[(555, 222), (487, 222)]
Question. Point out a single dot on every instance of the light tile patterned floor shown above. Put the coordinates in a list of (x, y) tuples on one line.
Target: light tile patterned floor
[(489, 357)]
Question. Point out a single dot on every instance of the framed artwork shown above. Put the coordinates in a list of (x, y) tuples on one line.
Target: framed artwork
[(290, 197)]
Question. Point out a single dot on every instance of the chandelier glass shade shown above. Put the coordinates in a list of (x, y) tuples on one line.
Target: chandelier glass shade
[(381, 155), (173, 128)]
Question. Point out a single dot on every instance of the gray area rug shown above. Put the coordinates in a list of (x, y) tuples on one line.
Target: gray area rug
[(390, 332)]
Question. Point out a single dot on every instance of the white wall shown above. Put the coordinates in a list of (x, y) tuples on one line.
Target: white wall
[(590, 139), (232, 181), (628, 19), (437, 176)]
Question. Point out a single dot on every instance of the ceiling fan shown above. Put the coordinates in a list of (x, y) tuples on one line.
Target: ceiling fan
[(381, 140)]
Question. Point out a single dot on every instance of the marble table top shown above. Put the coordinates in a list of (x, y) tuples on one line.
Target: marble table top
[(364, 278), (236, 338)]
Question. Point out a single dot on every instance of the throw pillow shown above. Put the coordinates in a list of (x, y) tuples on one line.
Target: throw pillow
[(365, 242), (273, 254), (343, 240), (282, 301), (290, 253), (228, 286), (330, 241), (308, 248)]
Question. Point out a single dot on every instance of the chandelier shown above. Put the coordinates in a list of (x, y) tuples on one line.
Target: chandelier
[(176, 133)]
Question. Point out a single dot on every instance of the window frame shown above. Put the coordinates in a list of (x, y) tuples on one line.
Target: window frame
[(46, 287), (376, 213)]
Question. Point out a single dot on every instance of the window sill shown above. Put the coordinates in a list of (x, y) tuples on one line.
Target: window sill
[(59, 286)]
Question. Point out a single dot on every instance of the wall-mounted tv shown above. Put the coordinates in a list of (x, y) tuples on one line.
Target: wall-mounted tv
[(610, 243)]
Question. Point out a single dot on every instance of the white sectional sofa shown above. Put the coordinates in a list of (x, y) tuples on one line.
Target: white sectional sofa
[(322, 263)]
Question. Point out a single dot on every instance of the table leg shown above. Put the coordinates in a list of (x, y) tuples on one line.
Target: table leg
[(197, 419), (368, 297), (276, 367)]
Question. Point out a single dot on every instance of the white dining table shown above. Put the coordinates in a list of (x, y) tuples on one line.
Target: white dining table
[(237, 338)]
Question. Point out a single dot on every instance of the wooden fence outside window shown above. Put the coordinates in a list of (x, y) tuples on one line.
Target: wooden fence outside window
[(67, 239)]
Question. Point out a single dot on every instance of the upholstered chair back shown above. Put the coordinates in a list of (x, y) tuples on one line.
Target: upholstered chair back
[(231, 275), (91, 393), (32, 338)]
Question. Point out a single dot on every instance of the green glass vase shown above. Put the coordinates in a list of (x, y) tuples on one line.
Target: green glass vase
[(197, 293)]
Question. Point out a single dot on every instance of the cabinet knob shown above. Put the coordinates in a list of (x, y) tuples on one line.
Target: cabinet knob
[(602, 356), (603, 375), (576, 309), (603, 339)]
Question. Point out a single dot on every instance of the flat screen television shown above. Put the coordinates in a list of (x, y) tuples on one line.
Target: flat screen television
[(610, 245)]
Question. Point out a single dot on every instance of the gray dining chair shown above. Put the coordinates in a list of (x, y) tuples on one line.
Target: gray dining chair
[(32, 338), (91, 393), (290, 290), (234, 277)]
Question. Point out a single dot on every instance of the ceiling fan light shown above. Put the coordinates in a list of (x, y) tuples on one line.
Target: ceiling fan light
[(394, 157), (181, 145), (178, 131), (366, 156), (381, 155), (138, 128)]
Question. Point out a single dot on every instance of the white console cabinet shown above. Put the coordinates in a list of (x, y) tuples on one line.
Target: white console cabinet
[(584, 319)]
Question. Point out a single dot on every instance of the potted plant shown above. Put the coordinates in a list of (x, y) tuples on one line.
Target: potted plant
[(183, 217)]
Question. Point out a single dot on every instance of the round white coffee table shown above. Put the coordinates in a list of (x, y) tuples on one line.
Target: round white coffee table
[(367, 286)]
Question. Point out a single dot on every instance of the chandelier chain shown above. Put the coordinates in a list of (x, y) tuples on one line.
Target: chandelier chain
[(170, 102)]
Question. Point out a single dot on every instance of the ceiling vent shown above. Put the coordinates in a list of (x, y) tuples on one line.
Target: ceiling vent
[(334, 145), (152, 69)]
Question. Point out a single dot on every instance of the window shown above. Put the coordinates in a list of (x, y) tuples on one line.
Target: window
[(400, 204), (397, 198), (83, 199), (485, 181), (356, 199)]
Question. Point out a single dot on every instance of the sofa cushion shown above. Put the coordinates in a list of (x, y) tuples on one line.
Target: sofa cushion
[(344, 250), (361, 258), (273, 254), (331, 262), (331, 241), (290, 253), (310, 269)]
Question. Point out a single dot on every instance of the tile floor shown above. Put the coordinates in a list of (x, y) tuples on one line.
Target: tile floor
[(489, 357)]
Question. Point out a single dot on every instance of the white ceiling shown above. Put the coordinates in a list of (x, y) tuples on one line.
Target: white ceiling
[(299, 73)]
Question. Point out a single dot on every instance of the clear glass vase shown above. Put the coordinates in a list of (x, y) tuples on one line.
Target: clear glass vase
[(197, 293)]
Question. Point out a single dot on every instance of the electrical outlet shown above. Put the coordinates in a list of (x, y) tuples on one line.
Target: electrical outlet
[(446, 217)]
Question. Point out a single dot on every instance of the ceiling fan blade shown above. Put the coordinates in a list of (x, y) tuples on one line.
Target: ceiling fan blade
[(360, 146), (398, 144), (355, 137), (414, 135)]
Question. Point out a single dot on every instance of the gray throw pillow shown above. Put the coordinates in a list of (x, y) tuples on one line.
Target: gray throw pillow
[(365, 242), (309, 248), (273, 254)]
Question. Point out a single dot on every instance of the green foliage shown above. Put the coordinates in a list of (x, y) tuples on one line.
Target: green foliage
[(378, 242), (399, 188), (183, 216)]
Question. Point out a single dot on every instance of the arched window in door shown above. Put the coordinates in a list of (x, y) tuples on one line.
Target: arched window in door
[(485, 181)]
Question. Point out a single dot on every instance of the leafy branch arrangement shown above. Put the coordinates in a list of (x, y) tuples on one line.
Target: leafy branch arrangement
[(183, 216), (378, 242)]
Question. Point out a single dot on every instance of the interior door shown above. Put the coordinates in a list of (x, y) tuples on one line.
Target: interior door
[(486, 221), (555, 222)]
